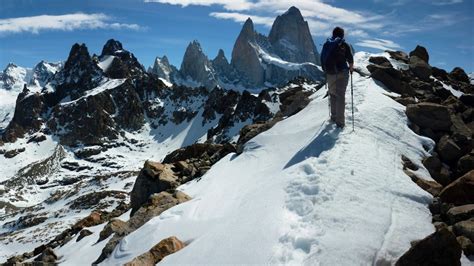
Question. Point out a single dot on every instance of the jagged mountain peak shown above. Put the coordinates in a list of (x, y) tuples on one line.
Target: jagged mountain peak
[(111, 47), (79, 54), (293, 12), (291, 38)]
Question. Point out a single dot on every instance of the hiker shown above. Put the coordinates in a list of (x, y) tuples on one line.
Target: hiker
[(337, 61)]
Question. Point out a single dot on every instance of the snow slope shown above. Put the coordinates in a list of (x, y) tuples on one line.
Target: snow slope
[(302, 193)]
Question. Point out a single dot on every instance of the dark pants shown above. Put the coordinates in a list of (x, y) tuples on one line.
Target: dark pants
[(337, 84)]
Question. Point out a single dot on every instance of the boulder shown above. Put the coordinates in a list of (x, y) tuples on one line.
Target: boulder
[(448, 150), (164, 248), (460, 192), (380, 60), (466, 245), (153, 178), (390, 77), (440, 73), (421, 53), (437, 170), (465, 163), (459, 74), (114, 226), (398, 55), (47, 257), (460, 213), (430, 115), (420, 68), (12, 153), (431, 187), (92, 219), (438, 249), (465, 228), (83, 233)]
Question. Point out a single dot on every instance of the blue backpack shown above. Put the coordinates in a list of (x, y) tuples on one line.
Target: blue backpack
[(328, 61)]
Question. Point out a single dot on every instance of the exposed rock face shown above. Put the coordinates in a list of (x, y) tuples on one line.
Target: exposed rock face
[(421, 69), (224, 70), (390, 77), (43, 72), (245, 57), (164, 248), (197, 67), (124, 64), (458, 74), (163, 69), (291, 39), (439, 248)]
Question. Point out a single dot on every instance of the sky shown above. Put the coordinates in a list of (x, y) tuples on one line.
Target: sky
[(35, 30)]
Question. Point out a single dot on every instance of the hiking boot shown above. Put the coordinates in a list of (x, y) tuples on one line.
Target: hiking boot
[(339, 125)]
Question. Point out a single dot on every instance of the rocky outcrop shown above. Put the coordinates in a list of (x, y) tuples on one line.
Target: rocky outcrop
[(164, 248), (124, 63), (430, 115), (156, 204), (439, 248), (421, 53), (163, 69)]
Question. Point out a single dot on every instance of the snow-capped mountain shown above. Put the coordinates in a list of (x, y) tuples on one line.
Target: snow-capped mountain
[(12, 81), (257, 60)]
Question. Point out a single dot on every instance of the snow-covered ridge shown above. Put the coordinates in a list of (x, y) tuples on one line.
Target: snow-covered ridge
[(299, 194)]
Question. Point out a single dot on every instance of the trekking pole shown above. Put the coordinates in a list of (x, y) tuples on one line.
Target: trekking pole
[(352, 95)]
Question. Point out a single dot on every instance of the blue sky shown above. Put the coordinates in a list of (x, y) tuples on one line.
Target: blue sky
[(34, 30)]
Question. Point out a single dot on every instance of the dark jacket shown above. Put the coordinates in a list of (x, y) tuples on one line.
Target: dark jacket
[(335, 55)]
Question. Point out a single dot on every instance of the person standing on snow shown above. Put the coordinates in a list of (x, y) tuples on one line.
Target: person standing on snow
[(337, 61)]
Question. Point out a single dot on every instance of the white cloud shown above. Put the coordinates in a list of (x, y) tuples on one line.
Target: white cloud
[(233, 5), (446, 2), (239, 17), (67, 22), (380, 44)]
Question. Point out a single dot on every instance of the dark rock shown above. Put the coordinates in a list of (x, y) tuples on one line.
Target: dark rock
[(437, 170), (83, 233), (438, 249), (407, 163), (406, 100), (460, 192), (430, 115), (390, 77), (420, 68), (458, 74), (440, 73), (96, 199), (293, 100), (460, 213), (466, 245), (88, 152), (164, 248), (421, 53), (380, 60), (448, 150), (13, 153), (398, 55), (467, 99), (198, 150), (465, 164), (115, 226), (47, 256), (37, 138), (465, 228)]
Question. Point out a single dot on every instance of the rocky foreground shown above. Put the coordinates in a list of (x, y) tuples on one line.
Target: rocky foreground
[(447, 117)]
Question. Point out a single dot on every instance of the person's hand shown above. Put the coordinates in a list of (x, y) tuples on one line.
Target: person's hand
[(351, 68)]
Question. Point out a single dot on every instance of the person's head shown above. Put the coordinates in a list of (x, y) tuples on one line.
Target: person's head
[(338, 32)]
